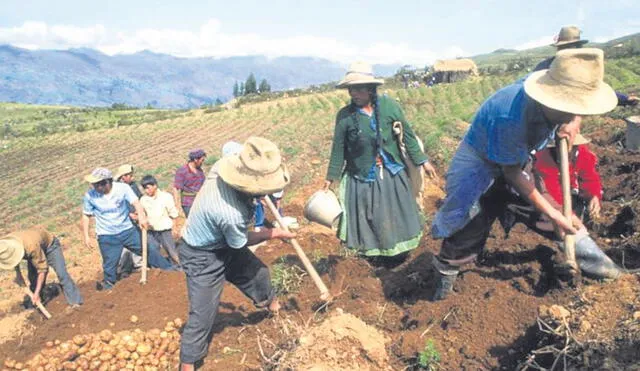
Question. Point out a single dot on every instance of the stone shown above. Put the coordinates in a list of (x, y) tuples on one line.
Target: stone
[(558, 312), (585, 326), (636, 316)]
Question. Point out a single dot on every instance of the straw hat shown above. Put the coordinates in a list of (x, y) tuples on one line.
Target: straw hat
[(123, 170), (359, 73), (573, 83), (257, 169), (579, 139), (569, 35), (98, 174), (11, 252)]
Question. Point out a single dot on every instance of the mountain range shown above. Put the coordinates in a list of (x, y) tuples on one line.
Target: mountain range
[(86, 77)]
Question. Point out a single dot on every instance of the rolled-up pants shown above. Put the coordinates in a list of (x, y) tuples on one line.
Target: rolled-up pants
[(55, 259), (206, 272)]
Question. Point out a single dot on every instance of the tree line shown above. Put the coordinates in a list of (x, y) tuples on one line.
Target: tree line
[(250, 86)]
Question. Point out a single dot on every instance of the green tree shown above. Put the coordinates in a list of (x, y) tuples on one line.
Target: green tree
[(241, 90), (236, 90), (218, 102), (264, 86), (250, 86)]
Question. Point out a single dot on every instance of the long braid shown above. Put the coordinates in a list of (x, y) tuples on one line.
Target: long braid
[(376, 112)]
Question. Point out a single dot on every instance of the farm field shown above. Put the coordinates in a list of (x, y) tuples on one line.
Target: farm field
[(489, 324)]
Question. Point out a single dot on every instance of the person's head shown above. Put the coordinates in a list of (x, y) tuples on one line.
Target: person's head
[(100, 179), (150, 185), (124, 174), (257, 170), (572, 87), (231, 148), (197, 157), (569, 38), (361, 83), (11, 252)]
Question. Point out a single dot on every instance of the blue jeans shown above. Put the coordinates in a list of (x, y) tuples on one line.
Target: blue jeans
[(55, 259), (260, 214), (111, 248)]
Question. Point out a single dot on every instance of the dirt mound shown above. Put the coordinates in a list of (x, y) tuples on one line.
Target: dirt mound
[(341, 342)]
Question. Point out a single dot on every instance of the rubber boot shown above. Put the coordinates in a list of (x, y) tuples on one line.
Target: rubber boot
[(593, 261), (445, 278)]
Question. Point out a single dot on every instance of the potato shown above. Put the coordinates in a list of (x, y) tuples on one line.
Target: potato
[(178, 322), (49, 344), (133, 319), (9, 363), (164, 335), (56, 342), (69, 365), (135, 356), (143, 349), (83, 363), (79, 340), (105, 356), (131, 346), (123, 354), (105, 335), (173, 346)]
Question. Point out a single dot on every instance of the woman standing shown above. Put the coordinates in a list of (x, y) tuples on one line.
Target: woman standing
[(380, 213)]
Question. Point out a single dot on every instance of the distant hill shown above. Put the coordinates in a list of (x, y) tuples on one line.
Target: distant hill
[(86, 77)]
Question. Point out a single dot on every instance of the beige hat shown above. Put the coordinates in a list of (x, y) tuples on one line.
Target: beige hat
[(359, 73), (11, 252), (573, 83), (98, 174), (579, 140), (123, 170), (257, 169), (569, 35)]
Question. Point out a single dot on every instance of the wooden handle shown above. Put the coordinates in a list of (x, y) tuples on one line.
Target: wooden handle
[(324, 292), (41, 307), (143, 276), (569, 239)]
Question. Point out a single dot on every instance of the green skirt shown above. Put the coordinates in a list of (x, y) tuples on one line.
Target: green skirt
[(380, 218)]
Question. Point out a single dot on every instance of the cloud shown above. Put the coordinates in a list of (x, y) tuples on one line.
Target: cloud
[(209, 40)]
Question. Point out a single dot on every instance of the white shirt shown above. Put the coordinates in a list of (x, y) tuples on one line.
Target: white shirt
[(160, 209)]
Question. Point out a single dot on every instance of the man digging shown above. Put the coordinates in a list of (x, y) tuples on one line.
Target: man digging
[(214, 248), (515, 122)]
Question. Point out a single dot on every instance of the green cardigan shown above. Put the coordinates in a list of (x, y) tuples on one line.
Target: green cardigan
[(357, 144)]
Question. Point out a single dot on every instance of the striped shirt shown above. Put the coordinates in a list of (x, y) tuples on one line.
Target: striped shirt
[(219, 217), (189, 183)]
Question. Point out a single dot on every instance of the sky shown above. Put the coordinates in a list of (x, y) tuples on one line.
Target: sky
[(377, 31)]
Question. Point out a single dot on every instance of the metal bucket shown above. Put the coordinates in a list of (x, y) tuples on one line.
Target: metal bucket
[(633, 132), (324, 208)]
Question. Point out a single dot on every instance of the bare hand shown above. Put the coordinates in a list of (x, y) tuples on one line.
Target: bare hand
[(88, 243), (281, 233), (594, 208), (570, 130), (430, 170), (133, 216), (327, 184), (562, 224), (35, 299), (143, 222)]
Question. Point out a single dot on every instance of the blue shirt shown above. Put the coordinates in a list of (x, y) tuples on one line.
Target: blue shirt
[(219, 217), (110, 210), (506, 130)]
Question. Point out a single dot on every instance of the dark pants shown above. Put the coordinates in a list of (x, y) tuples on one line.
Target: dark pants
[(186, 210), (111, 248), (55, 259), (165, 240), (206, 272), (498, 203)]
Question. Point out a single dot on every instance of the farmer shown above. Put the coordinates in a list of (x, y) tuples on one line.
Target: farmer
[(214, 244), (512, 123), (569, 38), (188, 180), (109, 203), (128, 260), (161, 210), (586, 186), (381, 217), (41, 250)]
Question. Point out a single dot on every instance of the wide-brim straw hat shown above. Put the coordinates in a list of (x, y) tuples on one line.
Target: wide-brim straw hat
[(573, 83), (578, 140), (256, 170), (123, 170), (359, 73), (569, 35), (11, 252)]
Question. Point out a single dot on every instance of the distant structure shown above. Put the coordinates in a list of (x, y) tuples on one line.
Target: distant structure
[(452, 70)]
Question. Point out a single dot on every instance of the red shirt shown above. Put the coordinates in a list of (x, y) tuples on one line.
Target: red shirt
[(582, 173), (189, 183)]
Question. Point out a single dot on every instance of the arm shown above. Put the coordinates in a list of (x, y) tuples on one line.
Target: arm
[(35, 298), (176, 198), (142, 216), (85, 230), (267, 234)]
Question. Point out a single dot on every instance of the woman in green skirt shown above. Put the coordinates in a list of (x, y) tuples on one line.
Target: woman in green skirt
[(380, 216)]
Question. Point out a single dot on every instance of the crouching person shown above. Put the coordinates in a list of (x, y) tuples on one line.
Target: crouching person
[(109, 203), (41, 250), (513, 123), (214, 244)]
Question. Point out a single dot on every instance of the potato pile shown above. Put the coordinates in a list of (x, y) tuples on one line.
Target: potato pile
[(125, 350)]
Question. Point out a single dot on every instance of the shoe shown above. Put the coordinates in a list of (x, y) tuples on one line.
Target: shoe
[(444, 285), (103, 286)]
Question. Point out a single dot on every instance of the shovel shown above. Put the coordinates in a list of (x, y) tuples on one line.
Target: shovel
[(324, 292), (569, 239), (143, 276)]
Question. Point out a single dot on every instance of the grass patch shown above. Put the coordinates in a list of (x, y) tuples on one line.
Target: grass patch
[(429, 357)]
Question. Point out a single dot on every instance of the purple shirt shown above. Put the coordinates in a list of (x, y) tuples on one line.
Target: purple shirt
[(189, 183)]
